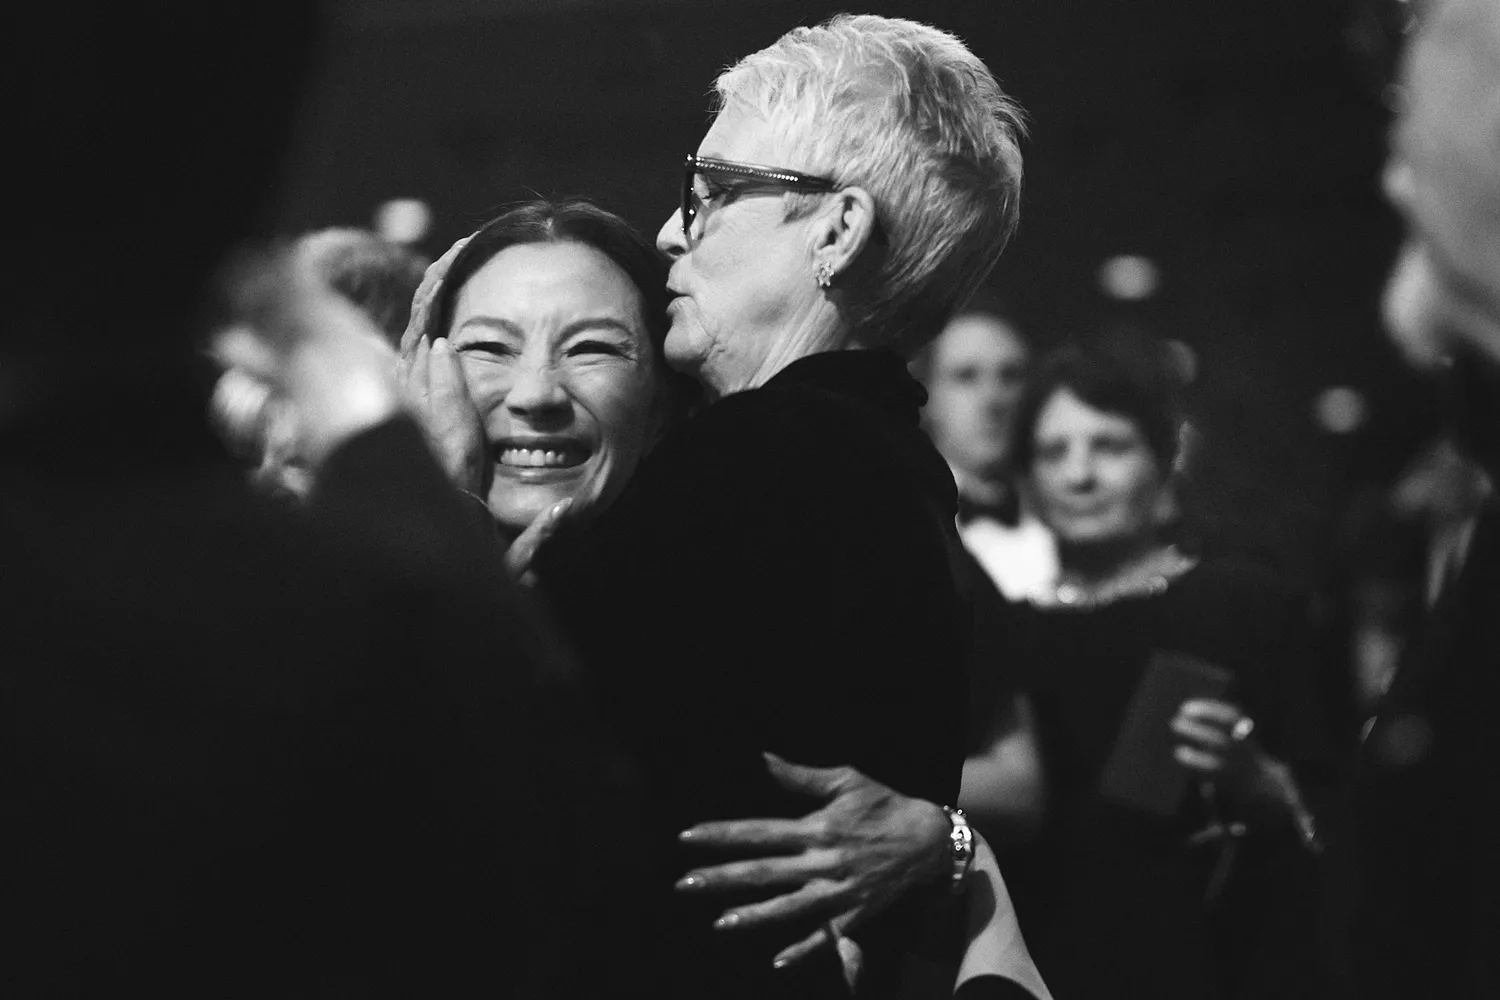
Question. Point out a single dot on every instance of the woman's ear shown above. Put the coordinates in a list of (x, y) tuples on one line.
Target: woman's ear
[(846, 226)]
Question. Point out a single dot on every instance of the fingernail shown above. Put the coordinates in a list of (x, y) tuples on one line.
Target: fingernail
[(560, 508), (780, 963), (727, 921), (690, 882), (687, 835)]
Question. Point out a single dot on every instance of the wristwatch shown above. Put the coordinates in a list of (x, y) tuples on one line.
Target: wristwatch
[(961, 848)]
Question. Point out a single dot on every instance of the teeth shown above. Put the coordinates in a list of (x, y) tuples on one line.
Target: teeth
[(536, 458)]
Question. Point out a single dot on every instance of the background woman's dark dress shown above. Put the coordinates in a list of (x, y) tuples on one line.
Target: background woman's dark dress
[(1113, 900)]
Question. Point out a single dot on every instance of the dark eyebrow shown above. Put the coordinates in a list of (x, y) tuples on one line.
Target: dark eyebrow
[(492, 323), (597, 323), (505, 326)]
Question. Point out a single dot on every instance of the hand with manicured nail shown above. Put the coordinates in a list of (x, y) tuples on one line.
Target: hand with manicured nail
[(437, 391), (432, 377), (422, 300), (522, 551), (846, 862)]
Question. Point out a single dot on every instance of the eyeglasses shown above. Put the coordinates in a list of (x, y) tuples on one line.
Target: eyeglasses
[(747, 174)]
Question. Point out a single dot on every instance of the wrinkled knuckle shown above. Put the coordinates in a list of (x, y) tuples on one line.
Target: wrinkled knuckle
[(827, 889), (821, 831)]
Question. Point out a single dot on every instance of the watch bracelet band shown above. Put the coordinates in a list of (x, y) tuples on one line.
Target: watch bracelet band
[(961, 848)]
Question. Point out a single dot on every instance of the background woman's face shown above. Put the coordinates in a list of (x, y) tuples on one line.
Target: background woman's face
[(558, 361), (1095, 479)]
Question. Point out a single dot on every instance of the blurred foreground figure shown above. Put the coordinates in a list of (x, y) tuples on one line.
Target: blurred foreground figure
[(1445, 491), (246, 750), (378, 276), (1430, 780), (375, 275)]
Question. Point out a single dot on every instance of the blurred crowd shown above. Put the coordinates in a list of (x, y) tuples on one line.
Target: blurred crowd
[(755, 610)]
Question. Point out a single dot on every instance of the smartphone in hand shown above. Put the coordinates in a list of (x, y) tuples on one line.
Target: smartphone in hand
[(1141, 772)]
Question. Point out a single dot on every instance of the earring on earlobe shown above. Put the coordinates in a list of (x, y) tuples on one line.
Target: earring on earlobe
[(825, 274)]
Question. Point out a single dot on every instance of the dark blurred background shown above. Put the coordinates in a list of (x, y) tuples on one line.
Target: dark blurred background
[(1206, 171)]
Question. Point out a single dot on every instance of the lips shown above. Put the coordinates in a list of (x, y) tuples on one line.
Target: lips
[(1083, 512), (541, 453)]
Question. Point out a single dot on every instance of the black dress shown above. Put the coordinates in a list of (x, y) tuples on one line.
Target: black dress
[(1113, 899), (779, 576)]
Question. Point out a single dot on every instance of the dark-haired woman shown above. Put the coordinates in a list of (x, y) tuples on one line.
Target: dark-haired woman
[(535, 356), (1174, 860)]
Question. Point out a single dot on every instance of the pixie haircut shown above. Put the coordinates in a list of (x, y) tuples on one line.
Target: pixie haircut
[(907, 112), (573, 221), (1127, 379), (378, 276)]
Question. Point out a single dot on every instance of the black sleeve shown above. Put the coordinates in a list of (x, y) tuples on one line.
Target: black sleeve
[(992, 663), (385, 485), (761, 574), (468, 748), (992, 988)]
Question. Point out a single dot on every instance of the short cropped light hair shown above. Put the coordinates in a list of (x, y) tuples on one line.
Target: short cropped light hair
[(907, 112)]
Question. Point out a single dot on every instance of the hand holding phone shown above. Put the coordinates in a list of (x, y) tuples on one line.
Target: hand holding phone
[(1143, 771), (1213, 737)]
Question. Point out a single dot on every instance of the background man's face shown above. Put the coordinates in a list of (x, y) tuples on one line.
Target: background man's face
[(978, 371), (1444, 177)]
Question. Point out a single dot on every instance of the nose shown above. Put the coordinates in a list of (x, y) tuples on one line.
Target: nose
[(538, 395), (996, 396), (670, 239), (1078, 470)]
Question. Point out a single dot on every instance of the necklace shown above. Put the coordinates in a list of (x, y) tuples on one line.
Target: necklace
[(1148, 576)]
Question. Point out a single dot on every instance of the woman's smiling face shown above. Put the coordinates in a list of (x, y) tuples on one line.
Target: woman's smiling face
[(557, 359), (1094, 476)]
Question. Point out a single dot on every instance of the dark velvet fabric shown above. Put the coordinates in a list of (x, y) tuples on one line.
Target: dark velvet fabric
[(1428, 792), (1113, 900), (992, 988), (993, 667), (778, 577), (251, 751)]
